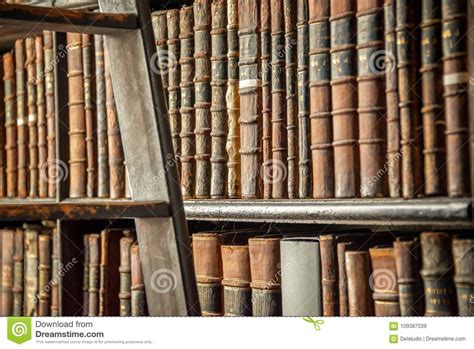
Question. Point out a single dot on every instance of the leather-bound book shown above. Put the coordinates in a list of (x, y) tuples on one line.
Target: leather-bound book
[(116, 157), (434, 148), (160, 31), (437, 274), (408, 263), (342, 247), (302, 66), (125, 276), (233, 101), (50, 112), (463, 254), (301, 277), (94, 274), (7, 246), (371, 108), (0, 269), (266, 276), (86, 259), (31, 273), (410, 141), (21, 120), (391, 95), (208, 267), (455, 81), (77, 120), (383, 281), (109, 304), (186, 61), (250, 98), (174, 78), (3, 184), (18, 273), (202, 93), (44, 271), (139, 307), (55, 269), (279, 171), (329, 275), (320, 100), (10, 124), (128, 190), (358, 289), (218, 106)]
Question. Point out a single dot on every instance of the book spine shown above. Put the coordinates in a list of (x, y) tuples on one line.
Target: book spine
[(55, 268), (371, 105), (218, 107), (233, 101), (41, 110), (86, 276), (463, 254), (440, 296), (3, 182), (21, 122), (358, 290), (114, 139), (52, 164), (455, 81), (44, 294), (322, 153), (264, 254), (7, 247), (109, 272), (32, 117), (250, 98), (329, 277), (342, 247), (94, 274), (344, 98), (128, 190), (125, 277), (10, 124), (18, 273), (160, 31), (188, 149), (138, 297), (31, 273), (302, 44), (279, 172)]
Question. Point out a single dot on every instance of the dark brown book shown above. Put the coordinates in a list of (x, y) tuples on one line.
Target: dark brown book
[(371, 92), (41, 112), (233, 101), (250, 98), (94, 274), (3, 180), (279, 171), (21, 120), (86, 260), (77, 120), (139, 307), (186, 61), (31, 273), (320, 100), (125, 276), (264, 254), (408, 263), (52, 162), (109, 272), (44, 275), (7, 247), (342, 247), (329, 275), (463, 254), (10, 124), (437, 274), (55, 269), (358, 288), (218, 104), (455, 81), (208, 267), (344, 98), (160, 31), (18, 259)]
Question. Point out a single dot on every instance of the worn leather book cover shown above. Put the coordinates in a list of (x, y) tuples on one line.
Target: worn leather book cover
[(208, 267), (160, 31), (218, 105), (21, 120), (342, 247), (18, 259), (358, 289), (50, 112), (186, 61), (55, 269), (437, 274), (301, 277), (371, 105), (279, 171), (94, 274), (250, 98), (86, 259), (3, 182), (265, 271), (329, 275), (109, 272), (44, 272), (463, 254), (233, 101), (320, 100), (455, 81), (10, 124), (125, 275), (139, 307), (7, 247), (434, 126), (31, 273)]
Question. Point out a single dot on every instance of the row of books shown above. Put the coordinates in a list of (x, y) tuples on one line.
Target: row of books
[(344, 274), (317, 98)]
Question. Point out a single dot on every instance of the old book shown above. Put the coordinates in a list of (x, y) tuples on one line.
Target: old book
[(218, 105), (86, 260), (139, 307), (301, 277), (128, 190), (371, 92), (7, 247), (0, 269), (434, 148), (358, 288), (125, 276), (160, 31), (250, 98), (408, 263), (463, 254), (391, 95), (31, 273), (109, 272), (52, 162), (455, 81), (114, 140), (10, 124), (18, 273), (77, 121), (383, 281), (329, 275), (21, 120), (320, 100), (44, 277), (437, 274), (342, 247), (344, 98), (94, 274), (3, 180), (208, 267), (412, 171), (265, 271), (279, 170), (55, 271), (233, 101), (186, 61)]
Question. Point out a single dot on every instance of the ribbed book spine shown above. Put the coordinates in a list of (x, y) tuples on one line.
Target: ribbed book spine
[(358, 288), (21, 120), (41, 111), (10, 124), (463, 254), (160, 31), (55, 268), (86, 259), (94, 274), (138, 302), (44, 294), (7, 246), (18, 259), (125, 276), (31, 273), (329, 275), (50, 113), (32, 117)]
